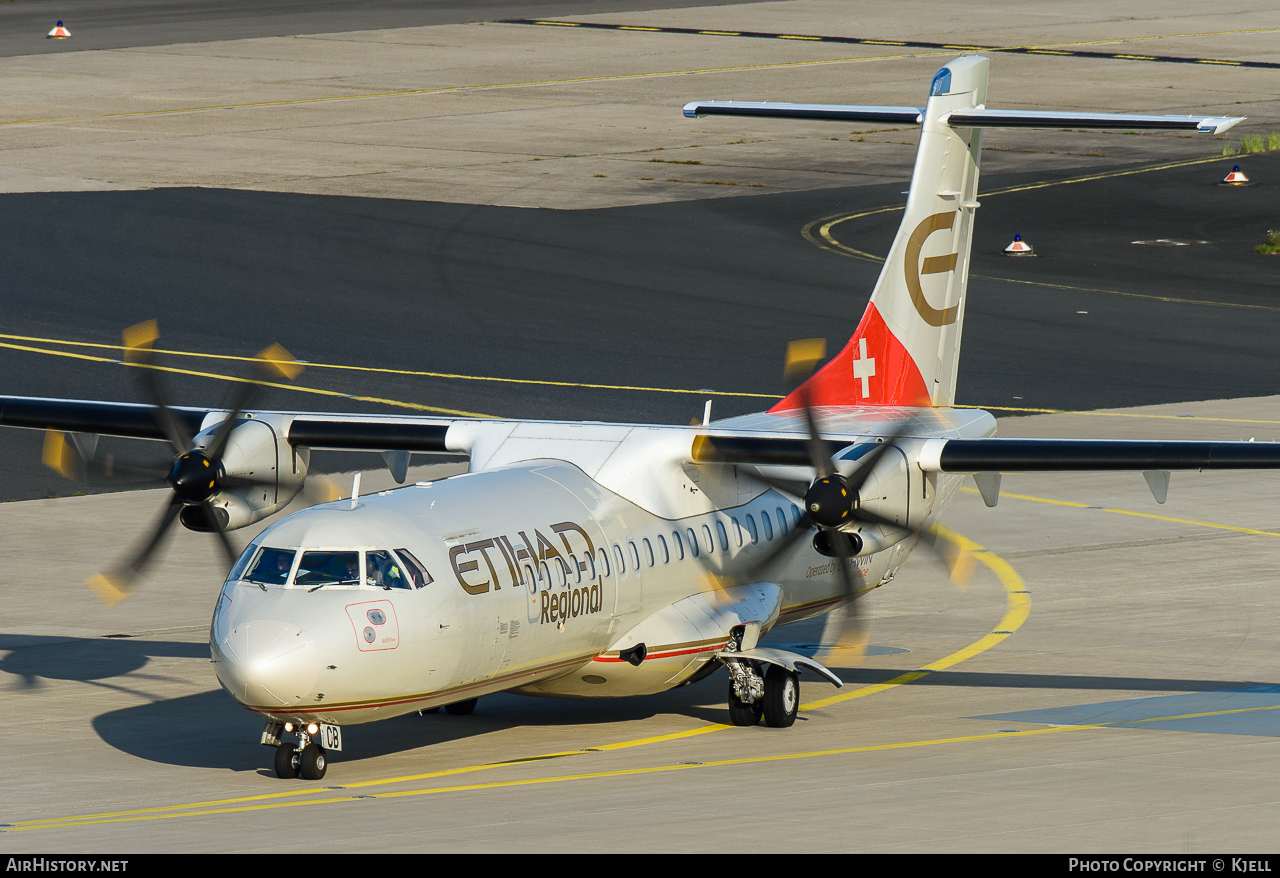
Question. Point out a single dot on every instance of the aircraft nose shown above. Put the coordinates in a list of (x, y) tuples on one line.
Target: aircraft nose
[(267, 663)]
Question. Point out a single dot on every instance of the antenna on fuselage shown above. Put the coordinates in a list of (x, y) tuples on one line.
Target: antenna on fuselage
[(355, 491)]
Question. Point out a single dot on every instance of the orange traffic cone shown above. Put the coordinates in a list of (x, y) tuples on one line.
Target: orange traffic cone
[(59, 33), (1236, 177), (1019, 247)]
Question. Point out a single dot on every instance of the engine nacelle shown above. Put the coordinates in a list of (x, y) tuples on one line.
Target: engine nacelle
[(256, 449)]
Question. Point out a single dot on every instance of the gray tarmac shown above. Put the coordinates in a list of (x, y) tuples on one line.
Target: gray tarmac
[(1108, 680)]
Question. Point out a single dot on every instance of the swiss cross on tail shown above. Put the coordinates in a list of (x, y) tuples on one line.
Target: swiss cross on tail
[(875, 367)]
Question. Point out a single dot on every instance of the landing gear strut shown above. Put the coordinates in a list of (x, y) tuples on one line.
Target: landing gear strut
[(746, 692)]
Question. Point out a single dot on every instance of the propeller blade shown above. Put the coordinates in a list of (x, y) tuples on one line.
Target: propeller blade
[(228, 549), (320, 489), (272, 362), (752, 572), (113, 587), (138, 340), (844, 638), (953, 551), (62, 457)]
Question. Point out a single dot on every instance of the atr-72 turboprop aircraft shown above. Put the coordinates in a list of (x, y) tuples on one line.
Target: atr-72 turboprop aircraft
[(590, 560)]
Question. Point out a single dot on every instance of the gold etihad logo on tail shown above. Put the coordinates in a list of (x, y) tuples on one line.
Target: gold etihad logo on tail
[(932, 265)]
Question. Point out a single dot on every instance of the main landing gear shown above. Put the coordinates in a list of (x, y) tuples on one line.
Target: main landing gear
[(775, 695), (306, 758)]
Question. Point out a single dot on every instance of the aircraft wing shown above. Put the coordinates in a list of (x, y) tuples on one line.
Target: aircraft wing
[(997, 454), (310, 429), (994, 454)]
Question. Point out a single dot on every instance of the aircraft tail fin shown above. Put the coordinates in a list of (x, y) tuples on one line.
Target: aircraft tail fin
[(907, 346)]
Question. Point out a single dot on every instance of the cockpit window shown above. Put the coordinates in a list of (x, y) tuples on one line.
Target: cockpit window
[(271, 566), (382, 571), (329, 568), (418, 574)]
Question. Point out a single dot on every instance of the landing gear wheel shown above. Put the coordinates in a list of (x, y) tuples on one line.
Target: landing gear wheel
[(285, 766), (781, 697), (461, 708), (312, 763), (741, 713)]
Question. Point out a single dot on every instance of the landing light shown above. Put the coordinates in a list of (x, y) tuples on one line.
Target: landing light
[(312, 729), (288, 727)]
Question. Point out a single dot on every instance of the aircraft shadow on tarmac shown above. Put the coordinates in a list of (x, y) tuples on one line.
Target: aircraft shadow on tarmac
[(209, 730), (32, 659)]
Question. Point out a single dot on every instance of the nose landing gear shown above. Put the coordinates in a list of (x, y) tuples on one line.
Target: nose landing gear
[(306, 758)]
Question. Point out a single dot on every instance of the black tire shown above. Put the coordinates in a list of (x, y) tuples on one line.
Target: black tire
[(285, 766), (741, 713), (461, 708), (781, 697), (312, 763)]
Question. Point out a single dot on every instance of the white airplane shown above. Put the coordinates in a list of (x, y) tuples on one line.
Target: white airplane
[(599, 560)]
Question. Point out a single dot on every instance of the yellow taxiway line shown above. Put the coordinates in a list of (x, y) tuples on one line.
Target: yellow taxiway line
[(454, 376), (1076, 505)]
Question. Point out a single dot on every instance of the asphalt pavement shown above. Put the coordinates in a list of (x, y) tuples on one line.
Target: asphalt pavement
[(132, 23), (686, 296)]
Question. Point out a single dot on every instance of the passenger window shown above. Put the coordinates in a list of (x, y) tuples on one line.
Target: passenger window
[(272, 567), (693, 542), (707, 543), (768, 526), (635, 555), (561, 573), (591, 566), (724, 537), (648, 551), (795, 514), (737, 532), (662, 547), (573, 565), (530, 578), (618, 560), (418, 574), (382, 571), (544, 575), (329, 568), (751, 529), (679, 544)]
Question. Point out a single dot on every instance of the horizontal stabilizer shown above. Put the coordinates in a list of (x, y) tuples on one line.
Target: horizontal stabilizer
[(981, 117), (978, 117), (835, 112), (1085, 455)]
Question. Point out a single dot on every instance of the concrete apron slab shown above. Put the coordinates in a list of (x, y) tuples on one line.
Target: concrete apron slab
[(494, 113)]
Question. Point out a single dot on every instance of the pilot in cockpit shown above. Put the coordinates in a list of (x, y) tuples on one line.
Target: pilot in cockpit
[(382, 571)]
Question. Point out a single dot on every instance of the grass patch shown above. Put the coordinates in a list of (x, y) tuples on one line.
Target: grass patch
[(1253, 143), (1271, 246)]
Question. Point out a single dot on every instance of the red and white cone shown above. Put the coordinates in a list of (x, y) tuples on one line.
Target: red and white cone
[(59, 33), (1236, 177), (1019, 247)]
